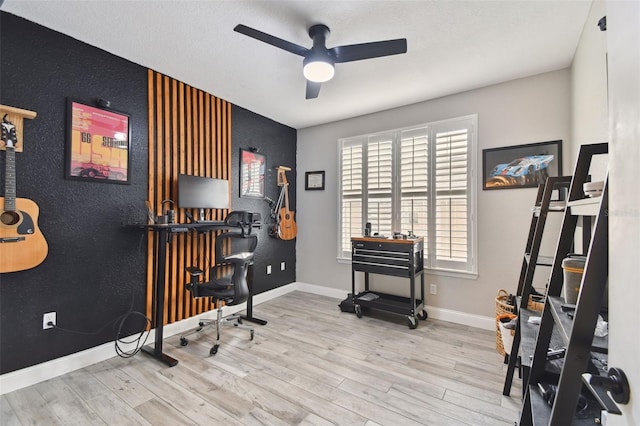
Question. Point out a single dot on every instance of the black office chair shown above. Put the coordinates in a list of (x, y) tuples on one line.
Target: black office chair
[(228, 282)]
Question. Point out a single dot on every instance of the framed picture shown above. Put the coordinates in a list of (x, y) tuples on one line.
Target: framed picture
[(521, 166), (252, 172), (98, 144), (314, 181)]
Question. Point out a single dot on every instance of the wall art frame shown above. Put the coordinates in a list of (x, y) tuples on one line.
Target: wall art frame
[(314, 181), (98, 145), (521, 166), (253, 166)]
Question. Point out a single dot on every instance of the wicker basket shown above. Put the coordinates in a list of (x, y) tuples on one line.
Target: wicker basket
[(502, 307), (535, 305)]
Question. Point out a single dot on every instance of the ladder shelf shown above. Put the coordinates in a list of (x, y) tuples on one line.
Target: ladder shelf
[(583, 352)]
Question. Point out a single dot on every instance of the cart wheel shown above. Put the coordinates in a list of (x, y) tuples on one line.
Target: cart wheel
[(358, 310), (413, 322), (214, 350), (251, 335), (422, 315), (183, 341)]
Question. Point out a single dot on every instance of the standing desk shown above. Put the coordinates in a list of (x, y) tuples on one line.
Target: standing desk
[(395, 257), (163, 234)]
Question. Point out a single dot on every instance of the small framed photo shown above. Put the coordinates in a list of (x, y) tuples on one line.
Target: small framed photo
[(314, 181), (98, 144)]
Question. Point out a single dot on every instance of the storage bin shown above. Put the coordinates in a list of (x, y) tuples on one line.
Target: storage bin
[(572, 268), (506, 333)]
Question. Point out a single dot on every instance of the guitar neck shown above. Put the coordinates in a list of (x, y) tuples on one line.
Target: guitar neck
[(286, 196), (10, 180)]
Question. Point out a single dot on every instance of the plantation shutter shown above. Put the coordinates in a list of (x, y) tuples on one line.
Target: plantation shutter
[(379, 189), (414, 181), (452, 185), (352, 194)]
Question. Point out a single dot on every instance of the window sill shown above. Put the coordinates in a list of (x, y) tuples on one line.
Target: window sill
[(451, 273), (439, 272)]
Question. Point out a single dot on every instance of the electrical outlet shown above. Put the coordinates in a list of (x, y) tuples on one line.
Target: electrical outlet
[(282, 266), (48, 318), (268, 269), (433, 289)]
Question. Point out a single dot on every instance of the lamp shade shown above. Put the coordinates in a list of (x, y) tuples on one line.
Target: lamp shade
[(318, 70)]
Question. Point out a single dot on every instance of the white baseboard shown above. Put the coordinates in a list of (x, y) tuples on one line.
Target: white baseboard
[(48, 370), (457, 317), (19, 379), (322, 291)]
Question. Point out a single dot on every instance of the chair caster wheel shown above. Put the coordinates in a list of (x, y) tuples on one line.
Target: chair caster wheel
[(183, 341), (413, 322), (251, 335), (214, 350)]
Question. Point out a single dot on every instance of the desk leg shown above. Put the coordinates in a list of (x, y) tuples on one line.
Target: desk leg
[(249, 317), (160, 259)]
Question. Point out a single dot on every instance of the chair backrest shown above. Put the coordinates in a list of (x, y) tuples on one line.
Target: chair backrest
[(236, 249), (228, 243)]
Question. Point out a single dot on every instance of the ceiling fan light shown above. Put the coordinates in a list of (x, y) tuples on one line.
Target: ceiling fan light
[(318, 71)]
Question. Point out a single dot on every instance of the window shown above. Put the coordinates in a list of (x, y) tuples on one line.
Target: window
[(420, 180)]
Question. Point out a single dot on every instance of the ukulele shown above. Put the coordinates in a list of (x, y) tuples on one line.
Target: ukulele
[(22, 245), (287, 228)]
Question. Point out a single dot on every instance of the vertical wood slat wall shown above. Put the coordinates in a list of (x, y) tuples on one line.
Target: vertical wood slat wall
[(189, 133)]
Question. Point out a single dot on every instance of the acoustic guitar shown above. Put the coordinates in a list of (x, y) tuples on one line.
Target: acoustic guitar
[(287, 228), (22, 245)]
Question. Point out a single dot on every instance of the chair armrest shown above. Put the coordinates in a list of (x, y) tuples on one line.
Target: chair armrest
[(194, 271)]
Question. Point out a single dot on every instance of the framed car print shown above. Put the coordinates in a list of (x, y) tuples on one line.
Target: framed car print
[(98, 144), (521, 166)]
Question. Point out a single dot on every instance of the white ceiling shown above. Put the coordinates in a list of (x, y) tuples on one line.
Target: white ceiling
[(453, 46)]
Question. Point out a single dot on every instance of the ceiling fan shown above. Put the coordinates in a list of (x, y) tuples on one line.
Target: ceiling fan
[(318, 63)]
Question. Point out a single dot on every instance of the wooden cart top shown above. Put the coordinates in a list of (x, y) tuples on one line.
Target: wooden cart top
[(388, 240)]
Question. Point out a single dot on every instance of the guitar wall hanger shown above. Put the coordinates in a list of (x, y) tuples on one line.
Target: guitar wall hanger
[(16, 116), (285, 227)]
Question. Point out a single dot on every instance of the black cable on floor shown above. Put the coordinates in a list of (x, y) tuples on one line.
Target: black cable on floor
[(118, 324)]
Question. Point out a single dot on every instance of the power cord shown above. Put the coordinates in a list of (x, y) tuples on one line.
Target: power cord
[(118, 324)]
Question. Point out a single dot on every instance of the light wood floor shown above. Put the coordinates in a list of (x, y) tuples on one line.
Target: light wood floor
[(311, 365)]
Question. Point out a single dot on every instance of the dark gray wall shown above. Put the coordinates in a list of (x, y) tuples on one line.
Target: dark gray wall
[(96, 268), (278, 144)]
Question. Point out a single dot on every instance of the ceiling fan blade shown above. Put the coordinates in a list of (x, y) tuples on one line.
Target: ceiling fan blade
[(272, 40), (376, 49), (313, 89)]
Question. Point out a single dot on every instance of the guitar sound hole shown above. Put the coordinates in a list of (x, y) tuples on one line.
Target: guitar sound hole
[(10, 218)]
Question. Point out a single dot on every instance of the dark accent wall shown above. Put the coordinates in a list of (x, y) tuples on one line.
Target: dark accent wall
[(96, 268), (278, 144)]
